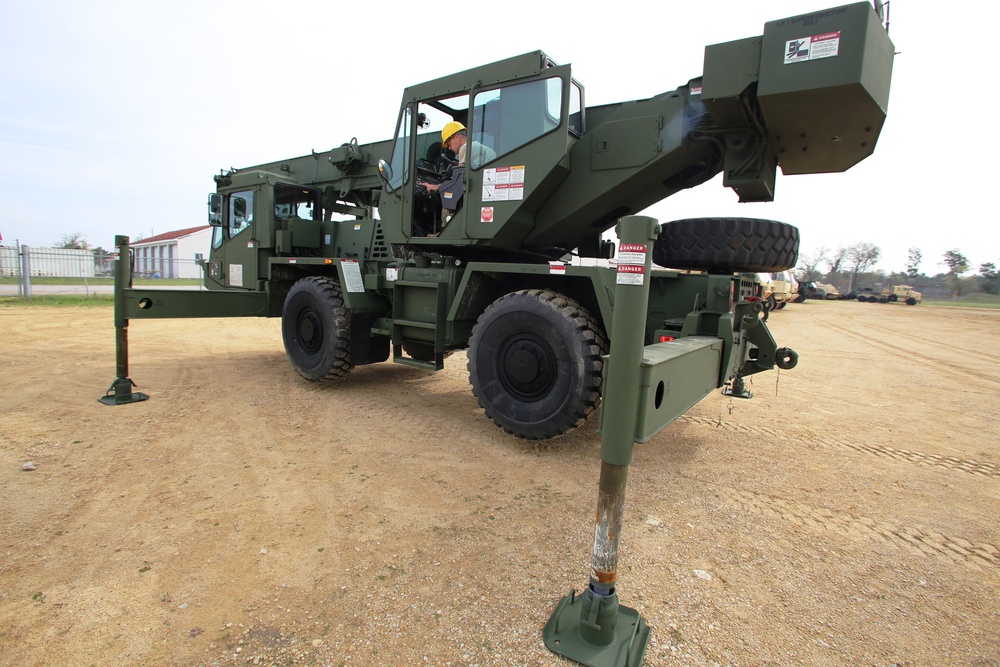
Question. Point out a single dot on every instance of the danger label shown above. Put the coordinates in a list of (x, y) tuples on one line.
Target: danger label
[(816, 47), (630, 274), (632, 253), (557, 269)]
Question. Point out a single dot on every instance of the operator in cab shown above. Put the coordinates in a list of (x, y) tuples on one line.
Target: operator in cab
[(455, 138)]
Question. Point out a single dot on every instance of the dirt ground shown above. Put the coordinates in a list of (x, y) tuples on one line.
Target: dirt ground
[(848, 515)]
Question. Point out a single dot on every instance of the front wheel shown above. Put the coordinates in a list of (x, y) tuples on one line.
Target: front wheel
[(316, 329), (535, 361)]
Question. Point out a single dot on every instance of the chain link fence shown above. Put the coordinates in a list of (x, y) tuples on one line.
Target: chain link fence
[(27, 271)]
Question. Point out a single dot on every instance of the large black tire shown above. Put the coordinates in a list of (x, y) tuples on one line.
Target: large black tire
[(727, 245), (316, 329), (535, 363)]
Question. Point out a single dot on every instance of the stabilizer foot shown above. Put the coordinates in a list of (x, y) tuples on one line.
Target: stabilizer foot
[(617, 639), (120, 392)]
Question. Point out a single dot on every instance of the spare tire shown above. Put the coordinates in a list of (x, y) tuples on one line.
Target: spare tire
[(727, 245)]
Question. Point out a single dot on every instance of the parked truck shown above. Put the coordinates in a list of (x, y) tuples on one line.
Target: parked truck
[(397, 250), (893, 294)]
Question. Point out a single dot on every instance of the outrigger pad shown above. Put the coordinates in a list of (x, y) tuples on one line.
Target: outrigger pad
[(563, 635), (120, 392)]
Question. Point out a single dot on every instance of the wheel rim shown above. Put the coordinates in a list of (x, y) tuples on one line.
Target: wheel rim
[(310, 330), (527, 367)]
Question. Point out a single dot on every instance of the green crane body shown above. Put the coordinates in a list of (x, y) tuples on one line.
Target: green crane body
[(363, 261)]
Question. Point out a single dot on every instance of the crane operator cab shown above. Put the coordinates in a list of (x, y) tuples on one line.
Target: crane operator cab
[(468, 158)]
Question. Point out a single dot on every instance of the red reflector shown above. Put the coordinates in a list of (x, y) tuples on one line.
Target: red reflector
[(666, 339)]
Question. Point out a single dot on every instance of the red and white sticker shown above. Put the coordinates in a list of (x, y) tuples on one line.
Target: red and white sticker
[(557, 269), (631, 274), (486, 214), (826, 45), (503, 183), (632, 253)]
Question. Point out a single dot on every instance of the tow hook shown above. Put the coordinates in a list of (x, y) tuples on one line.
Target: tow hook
[(786, 358)]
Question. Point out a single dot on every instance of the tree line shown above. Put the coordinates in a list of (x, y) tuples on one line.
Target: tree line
[(850, 268)]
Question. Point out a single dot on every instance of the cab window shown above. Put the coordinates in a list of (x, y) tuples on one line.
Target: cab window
[(240, 211), (296, 202), (401, 151), (504, 119)]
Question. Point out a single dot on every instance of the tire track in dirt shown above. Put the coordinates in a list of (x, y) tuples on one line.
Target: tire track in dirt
[(920, 542), (919, 342), (923, 351), (919, 458)]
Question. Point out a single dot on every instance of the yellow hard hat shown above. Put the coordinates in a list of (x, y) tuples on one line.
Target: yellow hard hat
[(449, 130)]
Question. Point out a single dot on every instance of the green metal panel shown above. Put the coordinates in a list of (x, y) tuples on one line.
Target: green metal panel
[(630, 142), (729, 70), (160, 303), (525, 65), (673, 377), (824, 87)]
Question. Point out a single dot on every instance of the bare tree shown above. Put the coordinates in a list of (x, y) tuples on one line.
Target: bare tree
[(836, 260), (809, 265), (860, 258), (74, 241), (913, 262)]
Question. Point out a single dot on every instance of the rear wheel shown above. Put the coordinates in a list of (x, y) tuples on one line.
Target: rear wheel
[(535, 363), (727, 245), (316, 329)]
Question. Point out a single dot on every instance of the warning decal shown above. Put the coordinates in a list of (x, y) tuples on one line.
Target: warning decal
[(557, 269), (631, 264), (503, 183), (826, 45), (630, 274), (632, 253)]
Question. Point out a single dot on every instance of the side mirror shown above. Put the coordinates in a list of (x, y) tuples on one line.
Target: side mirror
[(384, 171), (215, 210)]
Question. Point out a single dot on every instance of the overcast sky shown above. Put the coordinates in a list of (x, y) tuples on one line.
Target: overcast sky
[(114, 116)]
